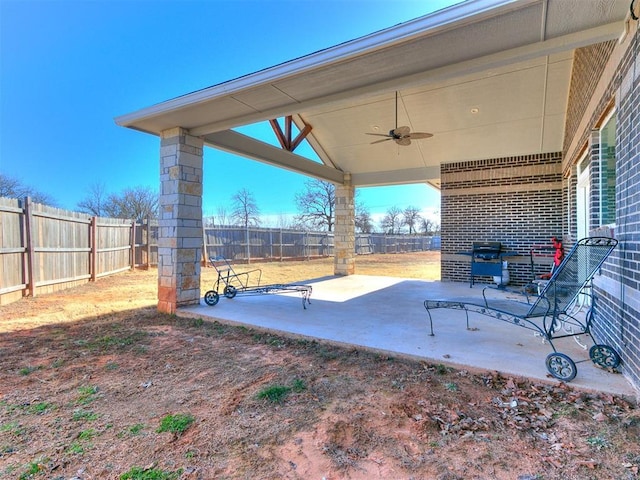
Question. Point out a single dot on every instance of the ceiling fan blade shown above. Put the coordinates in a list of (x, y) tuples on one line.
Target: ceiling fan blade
[(418, 135), (404, 141), (383, 140), (401, 131), (378, 134)]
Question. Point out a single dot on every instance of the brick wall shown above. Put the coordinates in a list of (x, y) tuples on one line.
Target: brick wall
[(516, 201), (618, 319), (617, 288), (588, 65)]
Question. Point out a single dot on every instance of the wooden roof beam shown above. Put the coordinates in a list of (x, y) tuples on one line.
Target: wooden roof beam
[(286, 142)]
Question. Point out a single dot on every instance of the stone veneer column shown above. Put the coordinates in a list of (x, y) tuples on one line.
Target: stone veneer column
[(344, 262), (180, 220)]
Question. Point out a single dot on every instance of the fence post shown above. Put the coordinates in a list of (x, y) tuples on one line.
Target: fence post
[(31, 289), (23, 244), (93, 248), (205, 256), (133, 244), (247, 239), (148, 243), (281, 248)]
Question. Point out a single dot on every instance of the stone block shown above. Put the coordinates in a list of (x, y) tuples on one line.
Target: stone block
[(168, 241), (193, 201), (188, 269), (167, 293), (167, 307), (190, 188), (168, 152), (169, 188), (174, 172), (187, 255), (194, 141), (189, 232), (166, 283), (166, 271), (173, 132), (188, 157), (193, 242), (187, 212), (189, 283), (170, 197)]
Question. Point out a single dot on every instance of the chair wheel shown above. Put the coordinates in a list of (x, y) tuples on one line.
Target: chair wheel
[(211, 298), (561, 366), (230, 291), (604, 356)]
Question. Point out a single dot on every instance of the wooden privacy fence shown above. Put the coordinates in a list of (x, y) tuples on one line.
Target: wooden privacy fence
[(44, 249)]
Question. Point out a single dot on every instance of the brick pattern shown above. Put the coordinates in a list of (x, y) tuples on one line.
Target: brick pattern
[(616, 324), (588, 65), (618, 318), (180, 220), (344, 234), (516, 201), (617, 288)]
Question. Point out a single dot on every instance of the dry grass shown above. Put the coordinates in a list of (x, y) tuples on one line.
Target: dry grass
[(88, 376)]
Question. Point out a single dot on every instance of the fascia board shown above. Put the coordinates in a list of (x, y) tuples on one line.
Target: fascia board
[(431, 24)]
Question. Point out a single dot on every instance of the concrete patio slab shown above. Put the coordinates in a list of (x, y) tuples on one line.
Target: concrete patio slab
[(387, 315)]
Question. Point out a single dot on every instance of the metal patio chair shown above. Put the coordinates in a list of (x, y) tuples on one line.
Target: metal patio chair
[(548, 314), (245, 283)]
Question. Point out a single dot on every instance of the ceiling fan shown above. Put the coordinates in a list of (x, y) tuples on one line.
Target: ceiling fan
[(400, 135)]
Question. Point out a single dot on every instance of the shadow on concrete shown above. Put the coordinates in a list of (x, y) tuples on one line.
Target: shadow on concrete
[(387, 315)]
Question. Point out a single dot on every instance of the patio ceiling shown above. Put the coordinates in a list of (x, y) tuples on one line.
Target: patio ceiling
[(488, 78)]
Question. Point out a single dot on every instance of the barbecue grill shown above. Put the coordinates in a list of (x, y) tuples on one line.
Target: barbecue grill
[(486, 259)]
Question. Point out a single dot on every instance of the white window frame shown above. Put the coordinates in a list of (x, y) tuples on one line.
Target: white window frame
[(602, 176), (583, 197)]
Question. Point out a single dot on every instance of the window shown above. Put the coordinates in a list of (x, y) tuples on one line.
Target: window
[(583, 197), (595, 199), (607, 179)]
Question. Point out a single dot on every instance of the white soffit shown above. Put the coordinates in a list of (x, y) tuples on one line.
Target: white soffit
[(509, 61)]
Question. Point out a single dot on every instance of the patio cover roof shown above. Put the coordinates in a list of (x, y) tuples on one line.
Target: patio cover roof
[(488, 78)]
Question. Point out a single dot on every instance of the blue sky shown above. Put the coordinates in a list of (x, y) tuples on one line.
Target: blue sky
[(67, 68)]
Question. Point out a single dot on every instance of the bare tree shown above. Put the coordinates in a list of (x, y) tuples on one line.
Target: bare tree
[(284, 221), (11, 187), (316, 205), (208, 221), (245, 209), (392, 221), (411, 218), (95, 202), (222, 216), (136, 203), (430, 226), (364, 222)]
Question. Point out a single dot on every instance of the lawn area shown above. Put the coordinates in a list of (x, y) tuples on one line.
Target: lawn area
[(96, 384)]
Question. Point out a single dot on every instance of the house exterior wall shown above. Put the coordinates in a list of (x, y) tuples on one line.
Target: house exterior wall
[(515, 200), (613, 80), (588, 66), (525, 200)]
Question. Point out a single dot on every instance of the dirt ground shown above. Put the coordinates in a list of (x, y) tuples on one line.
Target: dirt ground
[(96, 384)]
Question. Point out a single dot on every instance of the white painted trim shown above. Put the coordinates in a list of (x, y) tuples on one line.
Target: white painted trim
[(436, 22)]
